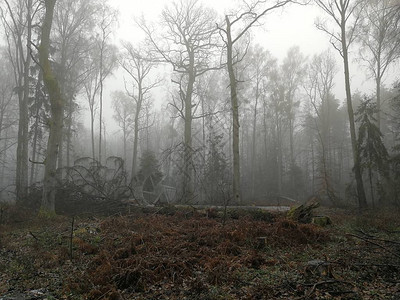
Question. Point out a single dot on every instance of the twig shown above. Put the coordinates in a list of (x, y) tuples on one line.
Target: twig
[(37, 162), (365, 233), (372, 237), (314, 286), (373, 243), (312, 290), (158, 210), (30, 232)]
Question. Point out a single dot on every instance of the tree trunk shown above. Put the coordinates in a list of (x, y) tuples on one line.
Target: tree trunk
[(92, 127), (101, 104), (23, 127), (64, 95), (124, 132), (254, 144), (104, 139), (4, 159), (292, 160), (378, 100), (56, 108), (69, 134), (188, 192), (34, 146), (22, 151), (279, 149), (313, 168), (235, 115), (35, 133), (362, 202), (3, 151), (136, 127), (60, 154), (265, 129), (135, 140), (148, 131), (371, 186)]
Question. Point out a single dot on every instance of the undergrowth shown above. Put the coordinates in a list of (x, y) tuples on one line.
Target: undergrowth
[(184, 254)]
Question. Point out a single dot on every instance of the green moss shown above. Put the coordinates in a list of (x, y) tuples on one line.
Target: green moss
[(321, 221), (290, 213), (46, 214)]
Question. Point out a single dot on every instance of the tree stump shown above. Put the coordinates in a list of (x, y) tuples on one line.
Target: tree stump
[(302, 213)]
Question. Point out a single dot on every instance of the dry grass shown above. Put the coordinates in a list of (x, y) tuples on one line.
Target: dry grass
[(189, 255)]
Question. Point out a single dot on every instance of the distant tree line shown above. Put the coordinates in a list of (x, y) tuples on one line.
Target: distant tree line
[(236, 124)]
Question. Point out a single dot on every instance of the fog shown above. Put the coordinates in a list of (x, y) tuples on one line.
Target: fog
[(199, 102)]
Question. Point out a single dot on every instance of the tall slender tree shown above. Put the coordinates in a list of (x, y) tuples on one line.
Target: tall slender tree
[(57, 104), (107, 62), (293, 70), (275, 105), (138, 65), (124, 115), (8, 120), (17, 19), (344, 14), (235, 27), (260, 63), (100, 63), (319, 89), (379, 37)]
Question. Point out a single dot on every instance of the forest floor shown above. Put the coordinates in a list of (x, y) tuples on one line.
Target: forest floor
[(172, 253)]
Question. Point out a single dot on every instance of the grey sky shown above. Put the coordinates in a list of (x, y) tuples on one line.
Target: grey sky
[(294, 25)]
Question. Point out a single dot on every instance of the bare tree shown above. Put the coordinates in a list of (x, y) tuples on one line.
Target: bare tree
[(319, 89), (274, 104), (124, 111), (17, 19), (188, 44), (57, 104), (74, 21), (345, 17), (107, 61), (7, 106), (236, 26), (138, 64), (100, 63), (260, 63), (379, 36), (293, 70), (8, 119)]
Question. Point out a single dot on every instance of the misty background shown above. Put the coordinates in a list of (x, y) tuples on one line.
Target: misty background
[(148, 102)]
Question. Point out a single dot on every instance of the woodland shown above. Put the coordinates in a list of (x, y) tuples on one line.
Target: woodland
[(230, 173)]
